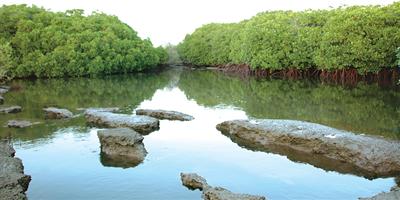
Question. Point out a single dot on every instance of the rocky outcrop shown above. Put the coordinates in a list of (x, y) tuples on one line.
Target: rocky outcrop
[(20, 123), (122, 144), (10, 109), (194, 181), (319, 145), (165, 114), (394, 194), (57, 113), (141, 124), (13, 181)]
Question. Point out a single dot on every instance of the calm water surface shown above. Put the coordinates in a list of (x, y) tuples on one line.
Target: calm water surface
[(63, 156)]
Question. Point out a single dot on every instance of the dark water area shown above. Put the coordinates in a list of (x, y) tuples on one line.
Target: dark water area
[(63, 156)]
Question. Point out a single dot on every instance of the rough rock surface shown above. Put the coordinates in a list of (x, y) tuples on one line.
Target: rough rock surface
[(194, 181), (394, 194), (10, 109), (57, 113), (122, 144), (20, 123), (141, 124), (165, 114), (111, 109), (13, 181), (375, 156)]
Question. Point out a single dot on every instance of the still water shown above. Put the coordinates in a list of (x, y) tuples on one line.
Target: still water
[(63, 156)]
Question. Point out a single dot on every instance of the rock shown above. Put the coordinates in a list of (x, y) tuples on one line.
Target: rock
[(141, 124), (394, 194), (370, 156), (6, 150), (219, 193), (13, 182), (1, 100), (10, 109), (165, 114), (57, 113), (20, 123), (122, 144), (111, 109), (4, 89), (194, 181)]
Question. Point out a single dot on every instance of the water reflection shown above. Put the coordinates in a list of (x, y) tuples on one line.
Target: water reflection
[(118, 161), (363, 109), (63, 156)]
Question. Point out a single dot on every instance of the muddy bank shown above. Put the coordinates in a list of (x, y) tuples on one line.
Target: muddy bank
[(165, 114), (139, 123), (13, 182), (350, 76), (319, 145), (193, 181)]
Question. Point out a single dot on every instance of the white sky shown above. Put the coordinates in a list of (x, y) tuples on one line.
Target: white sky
[(168, 21)]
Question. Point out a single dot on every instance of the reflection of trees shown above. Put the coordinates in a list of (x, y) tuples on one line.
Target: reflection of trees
[(111, 91), (366, 108)]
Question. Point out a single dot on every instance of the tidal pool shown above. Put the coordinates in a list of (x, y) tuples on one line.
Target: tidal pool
[(63, 156)]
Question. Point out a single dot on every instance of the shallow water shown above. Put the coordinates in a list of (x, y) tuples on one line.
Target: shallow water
[(64, 160)]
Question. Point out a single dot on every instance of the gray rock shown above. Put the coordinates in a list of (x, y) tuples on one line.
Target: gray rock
[(10, 109), (4, 89), (141, 124), (165, 114), (394, 194), (194, 181), (219, 193), (374, 156), (6, 150), (13, 182), (20, 123), (122, 144), (57, 113), (111, 109), (1, 100)]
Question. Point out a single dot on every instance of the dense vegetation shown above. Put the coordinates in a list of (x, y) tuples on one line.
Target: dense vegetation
[(360, 37), (40, 43)]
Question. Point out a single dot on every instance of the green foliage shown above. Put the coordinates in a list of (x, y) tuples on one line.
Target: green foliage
[(361, 37), (55, 44), (6, 60)]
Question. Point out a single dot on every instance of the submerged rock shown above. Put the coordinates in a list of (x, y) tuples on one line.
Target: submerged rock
[(394, 194), (141, 124), (57, 113), (13, 182), (10, 109), (319, 145), (165, 114), (194, 181), (20, 123), (122, 144), (111, 109)]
